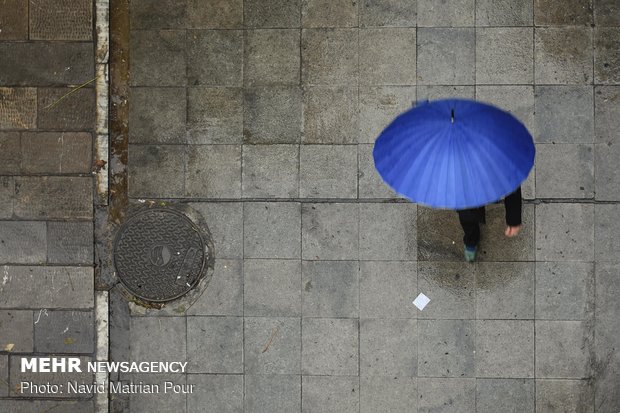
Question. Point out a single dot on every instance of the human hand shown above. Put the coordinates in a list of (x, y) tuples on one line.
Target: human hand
[(512, 231)]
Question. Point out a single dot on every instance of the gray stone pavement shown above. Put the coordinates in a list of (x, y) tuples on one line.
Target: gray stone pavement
[(261, 116), (46, 195)]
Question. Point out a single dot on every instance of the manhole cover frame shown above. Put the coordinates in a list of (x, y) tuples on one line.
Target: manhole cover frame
[(204, 239)]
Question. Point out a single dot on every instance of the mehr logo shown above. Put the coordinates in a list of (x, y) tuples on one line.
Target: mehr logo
[(51, 365)]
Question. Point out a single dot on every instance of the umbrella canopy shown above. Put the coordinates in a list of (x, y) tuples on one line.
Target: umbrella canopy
[(454, 154)]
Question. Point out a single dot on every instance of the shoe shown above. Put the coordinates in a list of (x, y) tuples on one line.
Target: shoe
[(470, 253)]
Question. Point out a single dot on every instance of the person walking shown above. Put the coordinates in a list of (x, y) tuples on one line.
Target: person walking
[(471, 219)]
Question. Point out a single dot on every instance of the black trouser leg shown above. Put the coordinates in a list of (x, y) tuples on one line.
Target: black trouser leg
[(470, 222)]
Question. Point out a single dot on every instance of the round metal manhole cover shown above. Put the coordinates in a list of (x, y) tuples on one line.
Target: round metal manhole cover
[(159, 254)]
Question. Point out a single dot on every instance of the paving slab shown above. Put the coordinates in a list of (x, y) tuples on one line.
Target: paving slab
[(158, 58), (53, 197), (28, 406), (161, 401), (330, 346), (18, 108), (505, 395), (156, 170), (46, 64), (214, 57), (272, 393), (57, 287), (214, 115), (272, 230), (272, 13), (328, 171), (564, 232), (564, 114), (56, 153), (553, 12), (439, 235), (272, 288), (272, 345), (75, 112), (23, 242), (388, 231), (505, 290), (504, 349), (168, 332), (330, 231), (564, 349), (446, 56), (225, 221), (271, 56), (387, 289), (571, 396), (389, 347), (446, 395), (389, 13), (606, 114), (70, 242), (16, 377), (215, 14), (214, 344), (606, 13), (213, 171), (446, 348), (504, 13), (436, 92), (330, 114), (7, 196), (329, 56), (4, 375), (369, 182), (326, 13), (495, 246), (453, 13), (387, 394), (10, 153), (14, 20), (65, 332), (330, 394), (563, 55), (607, 177), (606, 289), (387, 56), (164, 14), (451, 288), (330, 289), (565, 171), (272, 114), (270, 171), (157, 115), (223, 392), (224, 295), (504, 55), (606, 242), (378, 107), (61, 20), (16, 330), (564, 290)]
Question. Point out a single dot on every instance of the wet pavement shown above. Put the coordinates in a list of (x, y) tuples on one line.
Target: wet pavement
[(259, 118)]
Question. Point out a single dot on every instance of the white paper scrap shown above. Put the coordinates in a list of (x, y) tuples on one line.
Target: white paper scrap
[(420, 301)]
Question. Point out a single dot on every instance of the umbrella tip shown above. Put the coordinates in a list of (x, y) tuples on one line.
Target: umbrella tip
[(452, 115)]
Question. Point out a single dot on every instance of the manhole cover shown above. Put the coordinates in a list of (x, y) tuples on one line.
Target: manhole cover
[(159, 254)]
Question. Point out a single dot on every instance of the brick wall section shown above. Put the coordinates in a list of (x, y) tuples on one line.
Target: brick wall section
[(46, 190)]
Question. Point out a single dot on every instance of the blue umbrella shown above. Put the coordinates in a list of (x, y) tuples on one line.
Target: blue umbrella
[(454, 154)]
